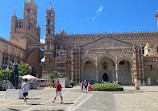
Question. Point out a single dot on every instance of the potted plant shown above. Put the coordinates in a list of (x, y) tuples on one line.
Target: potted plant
[(132, 83)]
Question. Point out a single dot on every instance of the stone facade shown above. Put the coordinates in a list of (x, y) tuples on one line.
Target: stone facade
[(10, 52), (113, 57), (25, 34)]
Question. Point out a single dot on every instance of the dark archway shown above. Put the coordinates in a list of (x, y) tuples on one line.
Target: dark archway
[(105, 77)]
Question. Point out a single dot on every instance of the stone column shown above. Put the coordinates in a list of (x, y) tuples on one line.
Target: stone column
[(132, 76), (97, 72), (117, 70), (80, 75), (134, 67), (1, 60), (97, 79), (72, 66)]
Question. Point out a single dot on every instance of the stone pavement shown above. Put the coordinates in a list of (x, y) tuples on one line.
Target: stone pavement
[(129, 100)]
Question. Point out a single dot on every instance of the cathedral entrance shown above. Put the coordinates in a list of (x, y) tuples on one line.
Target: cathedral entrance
[(124, 76), (105, 77), (106, 70), (89, 71)]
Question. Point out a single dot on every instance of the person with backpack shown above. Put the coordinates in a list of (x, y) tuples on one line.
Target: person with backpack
[(58, 92)]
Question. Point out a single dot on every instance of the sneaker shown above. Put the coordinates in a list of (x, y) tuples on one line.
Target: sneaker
[(61, 102), (52, 101), (25, 103)]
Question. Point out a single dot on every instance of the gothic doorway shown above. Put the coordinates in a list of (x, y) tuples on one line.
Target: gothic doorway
[(105, 77), (124, 77), (106, 69), (89, 71)]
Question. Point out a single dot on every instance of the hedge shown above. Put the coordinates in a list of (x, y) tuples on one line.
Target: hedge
[(106, 87)]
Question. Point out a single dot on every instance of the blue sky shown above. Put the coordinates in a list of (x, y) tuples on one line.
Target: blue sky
[(86, 16)]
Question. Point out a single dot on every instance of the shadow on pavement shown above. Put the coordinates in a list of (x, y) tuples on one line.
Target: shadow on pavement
[(48, 110), (11, 109), (68, 103), (35, 104), (33, 98)]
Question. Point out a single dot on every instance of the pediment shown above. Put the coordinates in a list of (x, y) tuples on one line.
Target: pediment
[(106, 43)]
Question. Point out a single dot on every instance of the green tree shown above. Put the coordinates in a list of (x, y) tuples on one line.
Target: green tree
[(5, 74), (54, 75), (24, 69)]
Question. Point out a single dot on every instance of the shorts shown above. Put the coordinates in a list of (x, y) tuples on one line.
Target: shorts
[(25, 94), (59, 93)]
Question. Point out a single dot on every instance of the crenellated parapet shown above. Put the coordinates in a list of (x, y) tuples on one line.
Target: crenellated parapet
[(130, 37), (114, 35)]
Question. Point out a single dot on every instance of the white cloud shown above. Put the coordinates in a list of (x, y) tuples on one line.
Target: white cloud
[(93, 18), (96, 14), (42, 40), (100, 8)]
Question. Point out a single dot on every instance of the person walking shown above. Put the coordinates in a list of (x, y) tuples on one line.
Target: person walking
[(58, 92), (81, 86), (25, 87), (85, 85), (89, 87)]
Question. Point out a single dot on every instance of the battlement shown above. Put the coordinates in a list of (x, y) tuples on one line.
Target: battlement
[(113, 35)]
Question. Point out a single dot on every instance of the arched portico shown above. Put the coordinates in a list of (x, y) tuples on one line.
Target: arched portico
[(106, 69), (125, 74), (89, 70)]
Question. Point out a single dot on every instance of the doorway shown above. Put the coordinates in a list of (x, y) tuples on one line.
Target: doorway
[(105, 77)]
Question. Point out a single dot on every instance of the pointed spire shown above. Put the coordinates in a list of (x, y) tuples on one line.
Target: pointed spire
[(63, 29), (50, 7), (14, 13)]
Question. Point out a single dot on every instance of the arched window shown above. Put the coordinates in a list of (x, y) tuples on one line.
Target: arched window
[(122, 63), (157, 49), (28, 10), (143, 49), (48, 45), (19, 25), (48, 31), (49, 21), (151, 67), (88, 64)]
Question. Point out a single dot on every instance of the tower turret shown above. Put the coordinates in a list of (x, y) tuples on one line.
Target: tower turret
[(50, 21), (13, 23), (156, 15), (30, 14)]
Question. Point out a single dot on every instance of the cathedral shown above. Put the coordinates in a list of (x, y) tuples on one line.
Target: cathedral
[(111, 57)]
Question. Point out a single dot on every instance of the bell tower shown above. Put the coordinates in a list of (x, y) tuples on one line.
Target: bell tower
[(49, 34), (30, 13)]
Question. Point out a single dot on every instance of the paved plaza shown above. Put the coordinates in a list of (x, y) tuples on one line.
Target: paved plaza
[(145, 99)]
